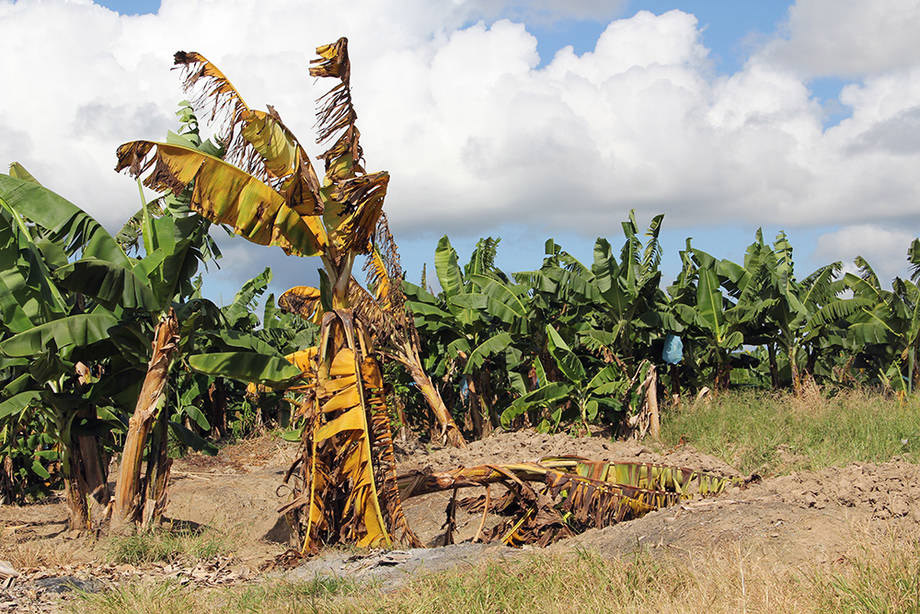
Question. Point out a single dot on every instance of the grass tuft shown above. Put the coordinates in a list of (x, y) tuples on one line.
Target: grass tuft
[(161, 545), (875, 584), (138, 598)]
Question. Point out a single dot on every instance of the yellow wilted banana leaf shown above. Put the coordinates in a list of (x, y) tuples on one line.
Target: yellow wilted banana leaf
[(337, 114), (353, 207), (347, 434), (351, 444), (258, 142), (304, 301), (305, 360), (587, 493), (382, 284), (225, 194)]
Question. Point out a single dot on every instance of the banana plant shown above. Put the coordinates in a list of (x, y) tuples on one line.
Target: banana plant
[(475, 323), (383, 309), (807, 314), (723, 305), (265, 190), (616, 306), (55, 344), (884, 325), (592, 396)]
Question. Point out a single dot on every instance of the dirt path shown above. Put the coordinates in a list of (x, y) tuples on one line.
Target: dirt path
[(812, 516)]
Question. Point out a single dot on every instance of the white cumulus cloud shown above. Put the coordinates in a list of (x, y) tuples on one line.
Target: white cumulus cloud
[(884, 248), (847, 38)]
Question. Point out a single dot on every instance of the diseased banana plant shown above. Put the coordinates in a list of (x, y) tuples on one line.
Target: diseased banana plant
[(384, 311), (266, 190)]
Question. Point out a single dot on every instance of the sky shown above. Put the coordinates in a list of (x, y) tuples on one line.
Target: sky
[(523, 120)]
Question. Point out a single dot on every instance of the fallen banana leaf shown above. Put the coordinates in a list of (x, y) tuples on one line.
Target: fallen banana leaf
[(576, 494), (651, 476)]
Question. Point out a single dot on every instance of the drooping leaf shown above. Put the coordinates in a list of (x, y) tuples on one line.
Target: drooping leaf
[(68, 223), (224, 194), (110, 284), (76, 330), (18, 402), (493, 345), (246, 367), (192, 440), (566, 360)]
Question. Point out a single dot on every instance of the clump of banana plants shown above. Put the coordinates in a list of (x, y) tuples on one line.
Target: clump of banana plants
[(266, 190), (558, 497)]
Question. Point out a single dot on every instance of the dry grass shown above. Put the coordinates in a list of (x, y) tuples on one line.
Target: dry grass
[(885, 577), (31, 554)]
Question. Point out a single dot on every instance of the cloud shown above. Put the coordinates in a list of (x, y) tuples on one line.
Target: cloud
[(884, 248), (849, 39), (474, 131), (547, 11)]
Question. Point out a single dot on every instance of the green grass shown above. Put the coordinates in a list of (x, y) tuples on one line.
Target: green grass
[(885, 579), (777, 433), (168, 546)]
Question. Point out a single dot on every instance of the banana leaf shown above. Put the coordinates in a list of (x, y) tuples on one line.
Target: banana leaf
[(76, 330), (247, 367)]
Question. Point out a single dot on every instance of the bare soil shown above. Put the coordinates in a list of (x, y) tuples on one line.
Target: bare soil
[(794, 519)]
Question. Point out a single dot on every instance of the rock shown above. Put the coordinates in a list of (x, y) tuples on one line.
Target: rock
[(7, 571), (62, 584)]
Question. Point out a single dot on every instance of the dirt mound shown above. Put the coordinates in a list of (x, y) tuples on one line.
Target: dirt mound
[(886, 490), (529, 445)]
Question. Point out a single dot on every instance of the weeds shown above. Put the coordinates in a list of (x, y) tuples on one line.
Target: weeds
[(875, 584)]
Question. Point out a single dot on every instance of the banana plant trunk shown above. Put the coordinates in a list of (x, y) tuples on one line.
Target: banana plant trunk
[(74, 494), (450, 432), (723, 376), (157, 478), (487, 398), (473, 419), (774, 369), (129, 489), (84, 476), (794, 369), (449, 429), (7, 492), (347, 492)]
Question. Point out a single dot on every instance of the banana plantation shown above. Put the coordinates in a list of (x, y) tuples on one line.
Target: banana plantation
[(113, 362)]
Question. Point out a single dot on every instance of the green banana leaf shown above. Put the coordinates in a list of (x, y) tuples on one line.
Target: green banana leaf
[(76, 330), (110, 284), (247, 367)]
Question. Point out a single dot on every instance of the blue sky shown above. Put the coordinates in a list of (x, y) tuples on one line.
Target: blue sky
[(802, 116)]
